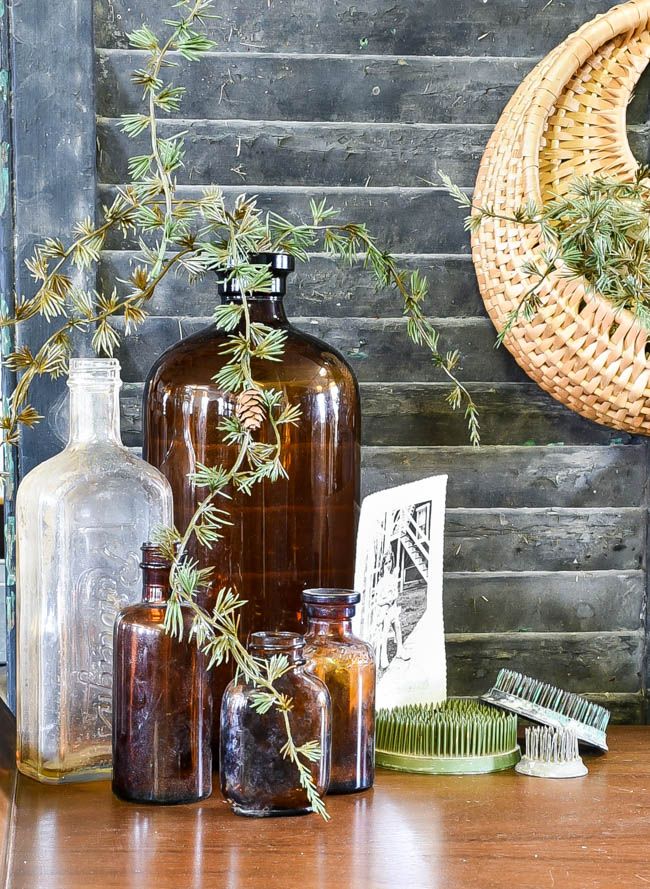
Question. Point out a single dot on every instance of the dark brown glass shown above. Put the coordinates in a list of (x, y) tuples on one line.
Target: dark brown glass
[(255, 778), (346, 665), (286, 535), (161, 701)]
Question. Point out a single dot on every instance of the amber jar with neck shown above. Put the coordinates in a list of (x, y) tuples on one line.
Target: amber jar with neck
[(286, 535), (346, 665), (161, 699)]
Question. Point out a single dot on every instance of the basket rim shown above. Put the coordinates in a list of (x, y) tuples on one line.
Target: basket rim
[(552, 79)]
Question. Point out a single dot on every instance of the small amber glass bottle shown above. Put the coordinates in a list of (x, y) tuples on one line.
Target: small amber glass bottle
[(256, 779), (346, 665), (161, 700)]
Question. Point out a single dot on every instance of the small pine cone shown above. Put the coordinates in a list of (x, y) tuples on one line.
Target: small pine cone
[(250, 409)]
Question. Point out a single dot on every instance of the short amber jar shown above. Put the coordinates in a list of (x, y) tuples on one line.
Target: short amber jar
[(256, 779), (346, 665)]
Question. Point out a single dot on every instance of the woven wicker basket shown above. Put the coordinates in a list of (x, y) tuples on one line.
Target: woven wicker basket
[(567, 119)]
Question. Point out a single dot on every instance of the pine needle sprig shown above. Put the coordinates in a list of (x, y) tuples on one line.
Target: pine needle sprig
[(599, 230), (166, 154), (349, 240), (88, 309), (49, 259), (217, 634)]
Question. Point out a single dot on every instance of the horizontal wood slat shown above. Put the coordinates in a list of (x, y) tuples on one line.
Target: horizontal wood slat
[(560, 539), (320, 287), (272, 86), (517, 476), (510, 413), (624, 709), (378, 349), (417, 414), (577, 662), (428, 27), (542, 601), (235, 152)]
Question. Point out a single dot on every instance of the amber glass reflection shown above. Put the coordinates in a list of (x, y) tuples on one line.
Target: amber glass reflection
[(346, 665), (287, 535), (161, 701), (255, 778)]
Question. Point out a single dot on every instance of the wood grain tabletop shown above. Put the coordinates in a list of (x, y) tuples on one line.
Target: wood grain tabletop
[(409, 832)]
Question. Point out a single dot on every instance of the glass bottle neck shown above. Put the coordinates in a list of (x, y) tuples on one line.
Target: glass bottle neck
[(155, 585), (266, 644), (94, 413), (295, 657), (333, 627), (263, 308)]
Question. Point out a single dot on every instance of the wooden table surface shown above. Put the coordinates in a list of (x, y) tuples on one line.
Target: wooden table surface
[(409, 832)]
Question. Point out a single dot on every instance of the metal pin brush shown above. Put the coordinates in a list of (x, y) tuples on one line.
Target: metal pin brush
[(551, 753), (544, 703)]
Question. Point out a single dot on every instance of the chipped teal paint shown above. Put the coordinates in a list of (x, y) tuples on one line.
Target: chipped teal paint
[(9, 455), (9, 466), (10, 572), (5, 148)]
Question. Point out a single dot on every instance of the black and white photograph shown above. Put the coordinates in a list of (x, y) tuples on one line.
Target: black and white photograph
[(399, 573)]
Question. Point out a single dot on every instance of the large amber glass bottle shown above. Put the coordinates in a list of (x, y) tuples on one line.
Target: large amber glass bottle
[(161, 700), (286, 535), (80, 518)]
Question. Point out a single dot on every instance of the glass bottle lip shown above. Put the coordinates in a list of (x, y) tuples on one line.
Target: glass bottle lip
[(276, 640), (278, 260), (330, 596), (153, 558), (94, 372), (280, 265)]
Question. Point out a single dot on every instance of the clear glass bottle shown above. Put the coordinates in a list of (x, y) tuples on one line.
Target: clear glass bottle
[(255, 778), (346, 665), (80, 519), (161, 700), (303, 527)]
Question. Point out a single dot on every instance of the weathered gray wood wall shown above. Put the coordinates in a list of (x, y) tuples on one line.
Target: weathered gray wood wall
[(364, 102)]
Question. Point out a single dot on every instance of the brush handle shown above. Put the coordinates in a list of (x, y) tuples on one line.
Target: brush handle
[(506, 701)]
